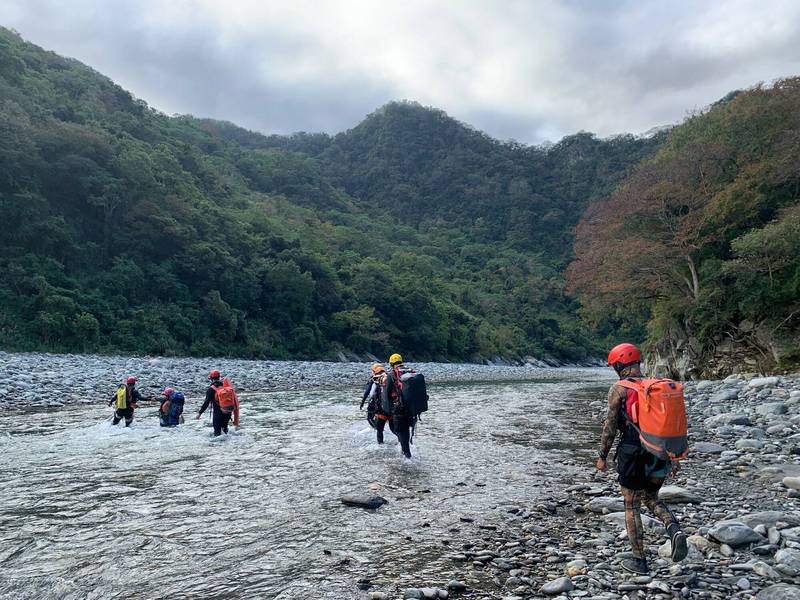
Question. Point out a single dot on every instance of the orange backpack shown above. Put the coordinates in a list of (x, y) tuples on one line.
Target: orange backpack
[(657, 409), (227, 400)]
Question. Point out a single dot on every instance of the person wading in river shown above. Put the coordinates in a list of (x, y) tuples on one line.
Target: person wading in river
[(403, 396), (641, 473), (376, 417), (224, 403), (124, 400)]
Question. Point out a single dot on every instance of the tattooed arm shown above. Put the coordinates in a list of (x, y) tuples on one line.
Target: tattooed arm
[(616, 396)]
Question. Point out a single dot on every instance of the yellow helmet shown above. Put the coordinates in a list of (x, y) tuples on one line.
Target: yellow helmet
[(377, 368), (395, 359)]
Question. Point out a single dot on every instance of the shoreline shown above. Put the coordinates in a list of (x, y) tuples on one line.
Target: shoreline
[(55, 380), (737, 498)]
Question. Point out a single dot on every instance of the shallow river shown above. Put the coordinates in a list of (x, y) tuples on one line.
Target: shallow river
[(88, 510)]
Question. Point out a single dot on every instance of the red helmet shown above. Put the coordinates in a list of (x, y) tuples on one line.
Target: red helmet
[(624, 354), (131, 380), (214, 374), (167, 391)]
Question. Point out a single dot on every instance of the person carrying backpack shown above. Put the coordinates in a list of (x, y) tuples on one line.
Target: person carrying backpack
[(404, 397), (124, 400), (376, 417), (171, 410), (224, 403), (650, 416)]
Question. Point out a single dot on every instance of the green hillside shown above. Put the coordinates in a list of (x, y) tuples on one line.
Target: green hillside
[(130, 231)]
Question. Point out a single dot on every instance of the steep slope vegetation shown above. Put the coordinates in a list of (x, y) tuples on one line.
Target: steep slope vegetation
[(703, 241)]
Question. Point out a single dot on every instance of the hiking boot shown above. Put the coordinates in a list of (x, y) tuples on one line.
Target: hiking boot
[(636, 565), (678, 539)]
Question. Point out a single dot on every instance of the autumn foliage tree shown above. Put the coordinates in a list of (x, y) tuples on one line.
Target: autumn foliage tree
[(678, 233)]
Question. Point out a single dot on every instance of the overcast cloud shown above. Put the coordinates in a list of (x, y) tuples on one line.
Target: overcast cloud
[(529, 70)]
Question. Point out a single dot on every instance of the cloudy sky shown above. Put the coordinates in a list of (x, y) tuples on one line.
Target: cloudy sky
[(531, 70)]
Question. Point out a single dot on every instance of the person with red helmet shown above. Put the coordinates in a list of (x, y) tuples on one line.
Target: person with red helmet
[(641, 474), (220, 413), (125, 398)]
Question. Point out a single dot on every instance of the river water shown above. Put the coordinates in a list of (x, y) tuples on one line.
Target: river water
[(88, 510)]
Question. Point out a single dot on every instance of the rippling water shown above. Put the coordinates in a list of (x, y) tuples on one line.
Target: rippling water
[(88, 510)]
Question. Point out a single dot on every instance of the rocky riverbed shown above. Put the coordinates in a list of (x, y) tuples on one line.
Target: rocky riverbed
[(40, 379), (737, 496)]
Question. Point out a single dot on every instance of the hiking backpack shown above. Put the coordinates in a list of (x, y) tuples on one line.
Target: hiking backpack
[(657, 409), (123, 393), (411, 392), (226, 397)]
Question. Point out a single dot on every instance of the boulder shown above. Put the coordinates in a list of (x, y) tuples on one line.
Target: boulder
[(734, 533)]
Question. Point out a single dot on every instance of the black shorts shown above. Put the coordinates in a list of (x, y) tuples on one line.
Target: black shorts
[(640, 470), (125, 413)]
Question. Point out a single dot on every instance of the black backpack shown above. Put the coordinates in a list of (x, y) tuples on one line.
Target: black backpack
[(412, 391)]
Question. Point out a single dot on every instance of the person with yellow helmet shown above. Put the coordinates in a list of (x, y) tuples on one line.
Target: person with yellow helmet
[(376, 417), (401, 387)]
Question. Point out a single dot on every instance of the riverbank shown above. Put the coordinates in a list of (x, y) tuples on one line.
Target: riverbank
[(737, 496), (39, 379)]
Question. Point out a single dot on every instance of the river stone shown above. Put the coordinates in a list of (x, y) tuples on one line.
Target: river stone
[(771, 408), (761, 382), (788, 558), (749, 444), (413, 593), (557, 586), (456, 586), (727, 419), (770, 518), (704, 385), (603, 504), (793, 483), (734, 533), (724, 395), (693, 555), (706, 448), (780, 591), (674, 494), (763, 569), (364, 501), (792, 534), (649, 523)]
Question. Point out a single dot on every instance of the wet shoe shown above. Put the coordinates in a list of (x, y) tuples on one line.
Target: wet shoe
[(636, 565), (679, 547)]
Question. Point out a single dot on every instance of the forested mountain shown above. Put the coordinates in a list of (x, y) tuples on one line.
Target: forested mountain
[(130, 231), (703, 240)]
